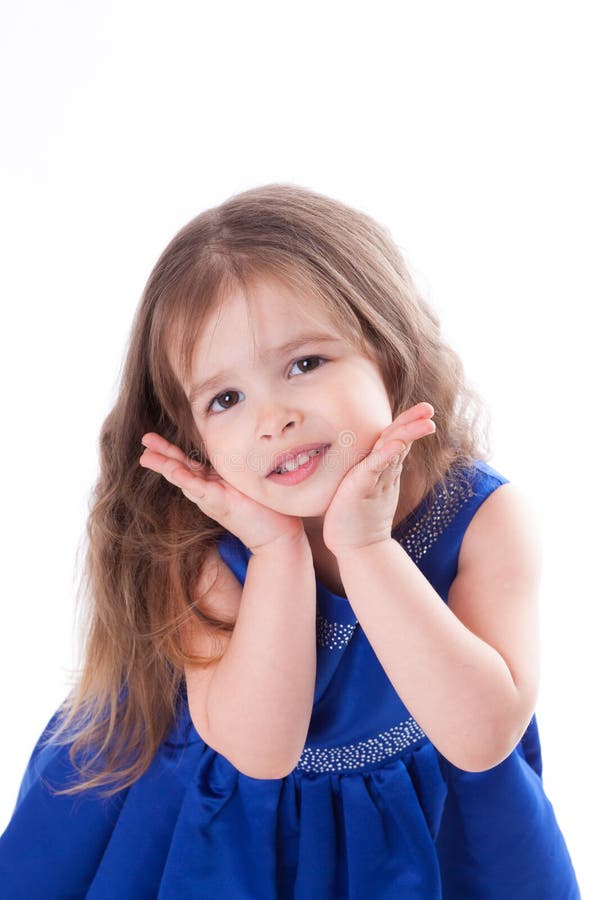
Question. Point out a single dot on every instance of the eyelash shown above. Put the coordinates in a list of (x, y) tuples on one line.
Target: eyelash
[(223, 393)]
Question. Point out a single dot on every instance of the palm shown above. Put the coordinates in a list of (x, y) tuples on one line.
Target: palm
[(335, 521), (260, 524), (253, 523)]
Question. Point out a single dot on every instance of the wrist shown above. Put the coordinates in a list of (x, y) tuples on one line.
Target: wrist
[(347, 553), (296, 543)]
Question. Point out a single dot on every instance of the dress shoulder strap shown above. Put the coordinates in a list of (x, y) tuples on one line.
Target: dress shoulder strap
[(434, 538)]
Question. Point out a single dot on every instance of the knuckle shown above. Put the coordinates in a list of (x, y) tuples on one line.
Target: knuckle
[(195, 497), (175, 469)]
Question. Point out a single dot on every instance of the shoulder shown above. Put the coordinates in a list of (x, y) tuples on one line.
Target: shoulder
[(504, 527)]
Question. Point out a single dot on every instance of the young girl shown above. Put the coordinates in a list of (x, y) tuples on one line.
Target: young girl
[(311, 643)]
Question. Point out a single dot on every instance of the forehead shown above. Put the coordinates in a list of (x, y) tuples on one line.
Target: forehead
[(246, 321), (260, 316)]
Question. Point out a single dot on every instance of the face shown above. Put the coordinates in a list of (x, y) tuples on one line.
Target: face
[(268, 402)]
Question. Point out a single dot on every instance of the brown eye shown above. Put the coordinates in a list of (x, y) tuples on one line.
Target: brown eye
[(308, 359), (223, 399)]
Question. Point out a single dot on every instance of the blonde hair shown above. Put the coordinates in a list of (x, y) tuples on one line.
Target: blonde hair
[(146, 542)]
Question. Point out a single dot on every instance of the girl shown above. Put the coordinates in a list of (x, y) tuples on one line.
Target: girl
[(311, 646)]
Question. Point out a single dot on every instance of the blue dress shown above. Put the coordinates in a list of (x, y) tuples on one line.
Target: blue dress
[(372, 811)]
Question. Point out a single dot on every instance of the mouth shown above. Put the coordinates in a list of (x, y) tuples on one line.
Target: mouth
[(301, 471)]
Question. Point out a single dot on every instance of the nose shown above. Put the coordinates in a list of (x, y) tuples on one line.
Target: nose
[(276, 421)]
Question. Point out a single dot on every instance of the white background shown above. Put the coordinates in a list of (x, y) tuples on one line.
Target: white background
[(468, 128)]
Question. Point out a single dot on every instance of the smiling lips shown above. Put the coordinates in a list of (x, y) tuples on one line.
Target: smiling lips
[(291, 459), (304, 466)]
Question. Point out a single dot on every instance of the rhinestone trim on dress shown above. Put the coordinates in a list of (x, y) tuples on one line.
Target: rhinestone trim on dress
[(333, 635), (419, 539), (362, 753)]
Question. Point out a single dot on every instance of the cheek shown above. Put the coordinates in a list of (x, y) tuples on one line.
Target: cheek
[(379, 411), (368, 413), (233, 466)]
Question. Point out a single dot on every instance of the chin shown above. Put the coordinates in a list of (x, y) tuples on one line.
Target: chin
[(303, 508)]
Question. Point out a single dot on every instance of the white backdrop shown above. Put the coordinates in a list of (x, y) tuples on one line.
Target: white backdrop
[(470, 129)]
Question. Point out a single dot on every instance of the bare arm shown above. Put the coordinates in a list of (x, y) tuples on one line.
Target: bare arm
[(252, 704), (468, 671), (259, 700)]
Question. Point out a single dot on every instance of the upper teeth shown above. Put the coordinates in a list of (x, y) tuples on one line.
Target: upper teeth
[(299, 460)]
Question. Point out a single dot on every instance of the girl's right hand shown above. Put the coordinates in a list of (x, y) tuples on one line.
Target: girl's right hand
[(257, 526)]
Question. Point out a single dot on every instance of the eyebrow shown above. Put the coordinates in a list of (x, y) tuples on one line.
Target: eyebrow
[(202, 387)]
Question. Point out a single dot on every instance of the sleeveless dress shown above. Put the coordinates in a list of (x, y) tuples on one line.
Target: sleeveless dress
[(372, 810)]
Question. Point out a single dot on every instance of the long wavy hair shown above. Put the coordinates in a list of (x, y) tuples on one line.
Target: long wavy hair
[(145, 542)]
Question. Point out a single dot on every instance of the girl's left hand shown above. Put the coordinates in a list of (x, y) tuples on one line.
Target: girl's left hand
[(363, 507)]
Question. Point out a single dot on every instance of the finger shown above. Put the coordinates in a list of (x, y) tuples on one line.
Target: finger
[(418, 411), (396, 462), (163, 449), (393, 454), (195, 498), (389, 471), (412, 430), (407, 431), (156, 443), (175, 471), (396, 453)]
